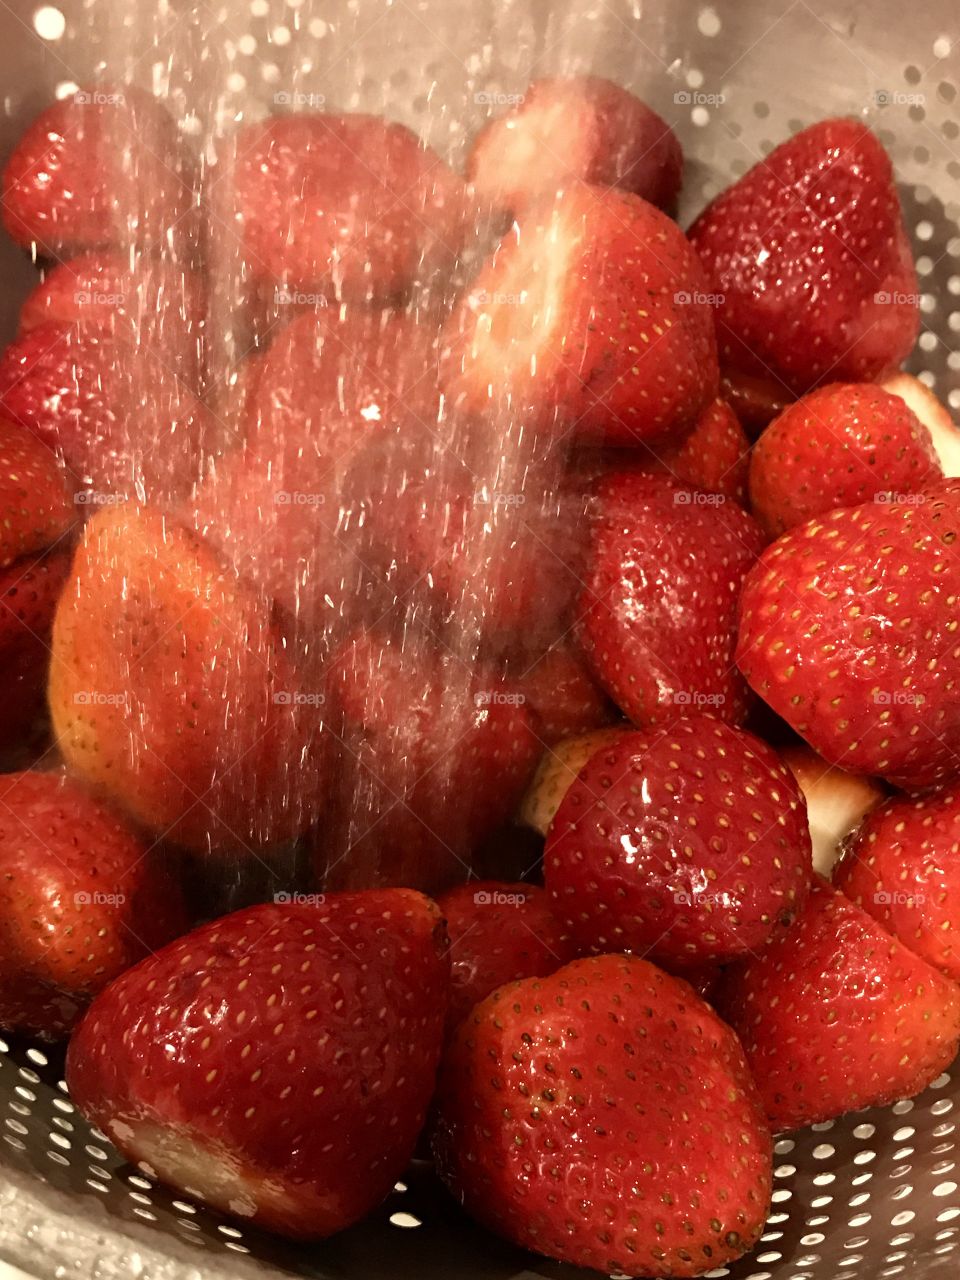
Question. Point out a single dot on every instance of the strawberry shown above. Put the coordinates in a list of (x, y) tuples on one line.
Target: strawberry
[(846, 631), (689, 845), (35, 499), (658, 611), (836, 800), (498, 932), (567, 128), (171, 691), (117, 414), (935, 417), (102, 167), (564, 696), (626, 1066), (714, 457), (435, 757), (837, 447), (375, 208), (836, 1015), (29, 591), (81, 899), (275, 1063), (592, 315), (901, 867), (756, 401), (557, 770), (809, 259)]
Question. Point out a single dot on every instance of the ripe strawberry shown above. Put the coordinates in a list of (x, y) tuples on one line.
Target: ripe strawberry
[(435, 757), (171, 691), (756, 401), (116, 414), (836, 1015), (811, 263), (592, 313), (901, 867), (689, 845), (658, 611), (714, 457), (29, 591), (35, 499), (672, 1172), (557, 770), (837, 447), (561, 692), (102, 167), (81, 899), (498, 932), (276, 1063), (846, 631), (935, 417), (567, 128), (375, 208), (837, 802)]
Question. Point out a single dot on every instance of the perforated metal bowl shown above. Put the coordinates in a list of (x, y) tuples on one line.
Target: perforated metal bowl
[(875, 1195)]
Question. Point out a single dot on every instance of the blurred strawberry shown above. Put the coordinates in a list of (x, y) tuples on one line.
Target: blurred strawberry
[(36, 500), (714, 457), (29, 591), (562, 693)]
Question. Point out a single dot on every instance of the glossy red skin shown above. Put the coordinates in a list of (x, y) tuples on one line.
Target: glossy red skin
[(902, 866), (436, 756), (172, 689), (35, 498), (630, 351), (565, 1122), (375, 208), (299, 1042), (115, 413), (81, 899), (845, 632), (29, 591), (658, 614), (714, 457), (499, 932), (688, 845), (89, 174), (837, 447), (564, 696), (608, 137), (798, 250), (836, 1015)]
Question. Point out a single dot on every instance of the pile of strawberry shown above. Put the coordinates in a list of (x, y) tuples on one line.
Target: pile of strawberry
[(468, 568)]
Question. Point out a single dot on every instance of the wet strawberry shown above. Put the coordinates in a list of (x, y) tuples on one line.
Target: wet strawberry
[(562, 693), (714, 457), (557, 770), (29, 591), (35, 499)]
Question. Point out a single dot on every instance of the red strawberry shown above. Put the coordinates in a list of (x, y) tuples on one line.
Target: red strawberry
[(944, 432), (592, 313), (810, 259), (902, 867), (498, 933), (81, 899), (35, 500), (836, 802), (689, 845), (29, 591), (435, 757), (375, 208), (714, 457), (276, 1063), (564, 696), (846, 630), (837, 447), (171, 691), (659, 608), (117, 414), (755, 401), (605, 1116), (574, 127), (558, 769), (102, 167), (835, 1015)]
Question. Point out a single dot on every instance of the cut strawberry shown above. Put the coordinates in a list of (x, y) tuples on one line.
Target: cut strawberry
[(569, 128), (846, 630), (810, 262), (935, 416), (592, 313), (658, 614), (557, 770), (690, 846), (29, 591), (836, 1015), (837, 447), (714, 457), (102, 167), (81, 899), (374, 210), (276, 1063), (837, 802), (902, 868), (35, 499), (672, 1171)]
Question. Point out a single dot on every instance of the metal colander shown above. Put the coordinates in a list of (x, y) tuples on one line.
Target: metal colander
[(874, 1195)]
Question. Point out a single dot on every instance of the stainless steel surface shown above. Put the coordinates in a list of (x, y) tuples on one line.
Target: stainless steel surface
[(872, 1196)]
